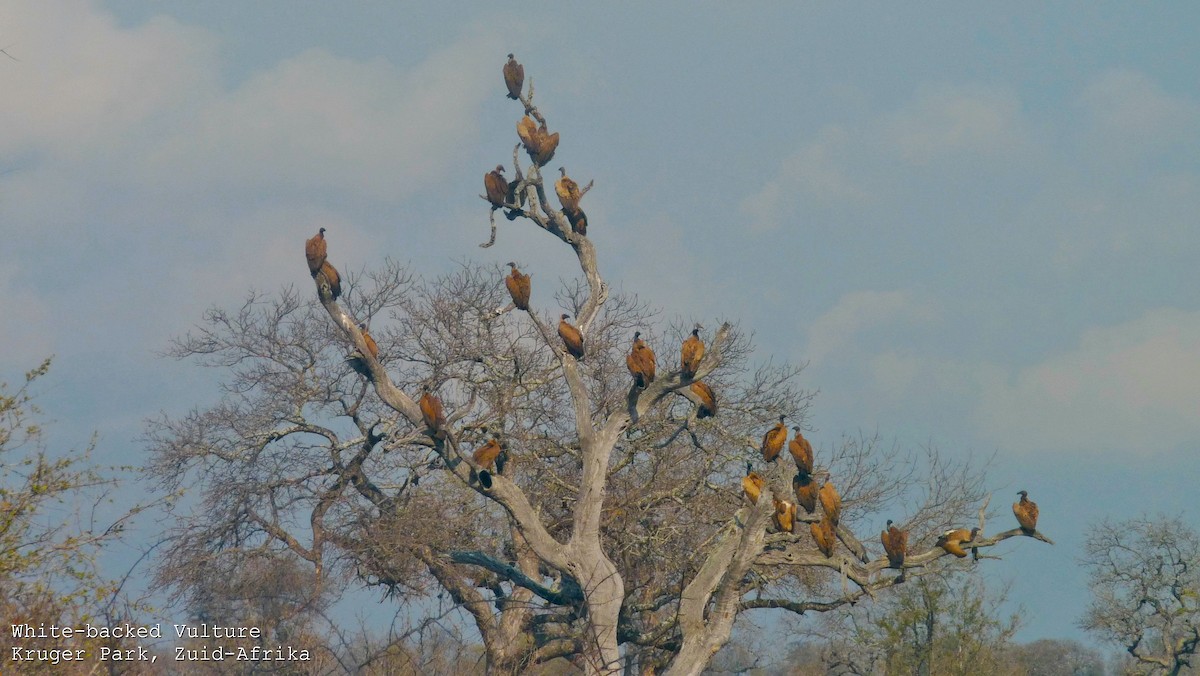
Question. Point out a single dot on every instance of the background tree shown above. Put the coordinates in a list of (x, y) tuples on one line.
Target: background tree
[(617, 535), (1145, 580)]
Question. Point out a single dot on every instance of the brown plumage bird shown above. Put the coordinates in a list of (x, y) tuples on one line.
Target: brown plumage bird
[(1026, 511), (831, 502), (571, 337), (329, 280), (496, 186), (527, 131), (518, 287), (772, 442), (640, 361), (568, 191), (708, 399), (315, 252), (785, 515), (801, 451), (431, 411), (691, 353), (547, 143), (356, 359), (514, 77), (485, 456), (806, 491), (952, 540), (372, 347), (578, 221), (752, 484), (895, 543), (822, 532)]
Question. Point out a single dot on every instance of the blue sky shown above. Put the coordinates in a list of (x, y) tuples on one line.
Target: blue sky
[(976, 223)]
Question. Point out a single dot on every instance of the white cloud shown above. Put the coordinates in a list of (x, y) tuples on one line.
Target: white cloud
[(1133, 387), (856, 312), (971, 120)]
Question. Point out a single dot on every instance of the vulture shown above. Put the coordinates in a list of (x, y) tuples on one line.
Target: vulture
[(1026, 512), (485, 456), (691, 353), (822, 532), (356, 359), (518, 287), (801, 451), (568, 192), (431, 411), (372, 348), (328, 277), (640, 361), (514, 77), (547, 143), (952, 541), (895, 543), (571, 337), (806, 491), (831, 502), (785, 515), (752, 484), (527, 131), (496, 186), (773, 440), (314, 251), (708, 400), (578, 221)]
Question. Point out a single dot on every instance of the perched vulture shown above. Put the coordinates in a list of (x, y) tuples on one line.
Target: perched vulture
[(708, 400), (578, 221), (518, 287), (485, 456), (496, 186), (527, 130), (1026, 512), (356, 360), (772, 442), (801, 451), (822, 532), (329, 280), (806, 491), (831, 502), (571, 337), (952, 541), (431, 411), (640, 361), (752, 484), (568, 191), (691, 353), (314, 251), (514, 77), (895, 543), (785, 515), (547, 143), (372, 348)]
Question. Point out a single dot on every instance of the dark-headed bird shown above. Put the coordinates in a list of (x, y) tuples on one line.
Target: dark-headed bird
[(431, 412), (1026, 511), (329, 281), (571, 337), (801, 451), (640, 361), (752, 484), (496, 186), (518, 287), (485, 456), (315, 252), (895, 543), (708, 399), (952, 540), (806, 491), (514, 77), (831, 502), (691, 353), (822, 532), (785, 515), (772, 442)]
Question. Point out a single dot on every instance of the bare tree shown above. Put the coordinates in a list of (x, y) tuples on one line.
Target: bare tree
[(1145, 579), (616, 535)]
